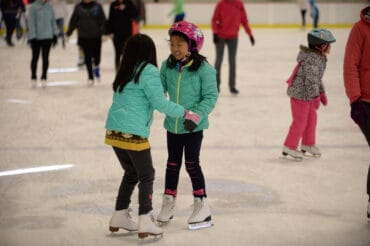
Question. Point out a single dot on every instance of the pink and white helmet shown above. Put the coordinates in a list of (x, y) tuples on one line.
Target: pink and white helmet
[(191, 31)]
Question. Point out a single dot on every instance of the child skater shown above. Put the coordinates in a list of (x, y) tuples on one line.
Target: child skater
[(306, 90), (190, 81), (137, 92)]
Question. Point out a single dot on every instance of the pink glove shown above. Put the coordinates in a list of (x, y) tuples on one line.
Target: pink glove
[(323, 99), (190, 115)]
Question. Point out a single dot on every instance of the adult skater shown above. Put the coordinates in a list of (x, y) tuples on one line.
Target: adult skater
[(315, 13), (177, 11), (137, 92), (226, 21), (306, 90), (119, 25), (89, 19), (356, 74), (303, 6), (11, 10), (42, 34), (188, 78)]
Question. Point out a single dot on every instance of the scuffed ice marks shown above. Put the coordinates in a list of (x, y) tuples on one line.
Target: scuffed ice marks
[(238, 194)]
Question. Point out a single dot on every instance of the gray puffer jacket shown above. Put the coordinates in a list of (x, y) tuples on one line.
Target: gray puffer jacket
[(308, 81)]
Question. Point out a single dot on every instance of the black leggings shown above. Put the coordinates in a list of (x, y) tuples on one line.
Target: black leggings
[(43, 46), (138, 168), (189, 143)]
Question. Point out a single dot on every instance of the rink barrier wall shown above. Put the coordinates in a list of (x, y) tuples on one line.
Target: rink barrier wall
[(260, 15)]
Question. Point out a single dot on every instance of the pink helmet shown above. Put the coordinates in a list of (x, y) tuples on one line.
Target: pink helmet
[(191, 31)]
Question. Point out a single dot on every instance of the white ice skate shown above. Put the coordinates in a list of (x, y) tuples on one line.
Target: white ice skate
[(147, 226), (121, 219), (201, 216), (295, 154), (167, 210), (311, 150)]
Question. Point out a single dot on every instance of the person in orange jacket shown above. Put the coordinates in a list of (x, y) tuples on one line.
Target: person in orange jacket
[(356, 74), (226, 21)]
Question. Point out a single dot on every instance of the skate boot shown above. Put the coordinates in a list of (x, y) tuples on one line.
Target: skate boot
[(121, 219), (167, 210), (368, 212), (97, 73), (33, 83), (201, 216), (311, 150), (295, 154), (43, 81), (147, 226)]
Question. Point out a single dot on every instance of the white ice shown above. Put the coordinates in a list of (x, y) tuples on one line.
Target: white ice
[(256, 198)]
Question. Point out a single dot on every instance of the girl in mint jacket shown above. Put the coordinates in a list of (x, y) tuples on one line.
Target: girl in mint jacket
[(137, 92), (190, 81)]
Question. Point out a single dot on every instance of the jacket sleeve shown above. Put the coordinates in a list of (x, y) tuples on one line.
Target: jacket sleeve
[(154, 91), (31, 24), (101, 19), (244, 20), (215, 19), (209, 91), (351, 64)]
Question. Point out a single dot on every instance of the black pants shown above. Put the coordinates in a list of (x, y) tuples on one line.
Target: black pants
[(92, 51), (43, 46), (118, 43), (189, 143), (10, 22), (366, 131), (138, 168)]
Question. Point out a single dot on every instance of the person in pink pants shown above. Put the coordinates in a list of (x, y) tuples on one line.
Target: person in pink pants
[(306, 91)]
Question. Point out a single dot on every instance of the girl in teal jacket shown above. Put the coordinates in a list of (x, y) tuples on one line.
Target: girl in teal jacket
[(190, 81), (137, 92)]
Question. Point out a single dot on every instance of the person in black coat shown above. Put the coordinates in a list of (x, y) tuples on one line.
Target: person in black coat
[(119, 25), (10, 10)]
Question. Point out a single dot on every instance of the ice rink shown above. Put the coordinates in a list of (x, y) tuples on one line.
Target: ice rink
[(256, 198)]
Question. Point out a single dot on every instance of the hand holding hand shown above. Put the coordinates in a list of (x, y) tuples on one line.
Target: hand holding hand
[(359, 113), (189, 125), (323, 99), (194, 117)]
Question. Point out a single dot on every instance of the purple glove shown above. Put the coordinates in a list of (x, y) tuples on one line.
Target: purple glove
[(359, 113), (189, 115), (323, 99)]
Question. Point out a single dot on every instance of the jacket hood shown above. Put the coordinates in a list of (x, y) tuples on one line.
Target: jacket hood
[(365, 11)]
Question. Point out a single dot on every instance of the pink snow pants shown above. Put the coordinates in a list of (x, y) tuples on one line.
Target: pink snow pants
[(304, 122)]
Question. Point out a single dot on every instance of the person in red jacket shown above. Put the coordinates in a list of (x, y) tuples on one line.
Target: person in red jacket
[(226, 21), (356, 74)]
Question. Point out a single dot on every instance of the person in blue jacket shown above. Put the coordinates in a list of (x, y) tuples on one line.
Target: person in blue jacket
[(42, 34), (189, 80), (137, 92)]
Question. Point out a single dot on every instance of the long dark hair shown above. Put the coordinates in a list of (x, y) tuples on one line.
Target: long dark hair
[(139, 49), (197, 58)]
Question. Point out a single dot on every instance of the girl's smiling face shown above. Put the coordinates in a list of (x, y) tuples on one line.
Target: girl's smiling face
[(179, 47)]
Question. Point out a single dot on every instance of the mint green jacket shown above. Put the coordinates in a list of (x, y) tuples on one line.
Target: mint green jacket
[(41, 21), (195, 90), (132, 109)]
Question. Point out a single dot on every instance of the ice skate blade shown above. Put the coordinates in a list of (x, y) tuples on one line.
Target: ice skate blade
[(305, 153), (291, 158), (115, 229), (200, 225), (143, 235)]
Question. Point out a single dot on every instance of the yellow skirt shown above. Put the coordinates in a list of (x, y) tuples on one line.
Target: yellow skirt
[(126, 141)]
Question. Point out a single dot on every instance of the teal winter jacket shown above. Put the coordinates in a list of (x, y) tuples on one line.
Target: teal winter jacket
[(132, 109), (41, 21), (195, 90)]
